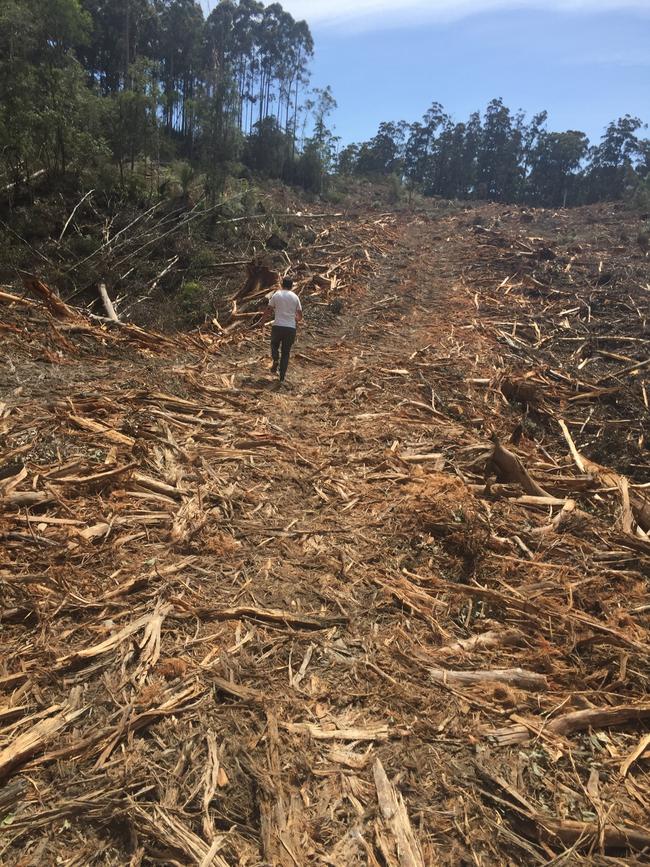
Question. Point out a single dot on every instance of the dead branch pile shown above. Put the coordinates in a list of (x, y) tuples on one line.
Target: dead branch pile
[(326, 270), (359, 622)]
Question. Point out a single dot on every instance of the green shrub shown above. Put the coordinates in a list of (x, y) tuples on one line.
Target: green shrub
[(13, 254), (192, 303), (38, 223), (395, 189), (184, 174), (201, 261), (334, 192), (105, 177), (84, 245), (642, 194), (134, 187)]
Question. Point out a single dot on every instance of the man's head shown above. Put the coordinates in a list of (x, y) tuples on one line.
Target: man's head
[(287, 283)]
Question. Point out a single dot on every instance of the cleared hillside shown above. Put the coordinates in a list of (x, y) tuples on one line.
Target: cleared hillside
[(395, 613)]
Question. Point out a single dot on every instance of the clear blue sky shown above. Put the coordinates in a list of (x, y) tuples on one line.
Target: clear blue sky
[(586, 61)]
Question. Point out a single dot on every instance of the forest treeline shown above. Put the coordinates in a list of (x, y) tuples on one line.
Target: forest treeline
[(108, 85), (502, 157), (115, 89)]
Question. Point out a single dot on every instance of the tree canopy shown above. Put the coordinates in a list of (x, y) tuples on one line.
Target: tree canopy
[(503, 157), (134, 80), (115, 85)]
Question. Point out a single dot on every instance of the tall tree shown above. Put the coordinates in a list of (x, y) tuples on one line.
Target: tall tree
[(181, 26), (498, 166), (617, 152), (46, 111), (319, 153), (555, 164)]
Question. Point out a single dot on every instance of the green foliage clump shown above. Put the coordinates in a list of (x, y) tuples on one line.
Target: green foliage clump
[(134, 188), (49, 118), (186, 175), (201, 261), (103, 176), (192, 303), (395, 189), (334, 194), (15, 255), (640, 196)]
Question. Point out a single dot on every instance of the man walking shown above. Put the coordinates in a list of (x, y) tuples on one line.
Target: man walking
[(285, 307)]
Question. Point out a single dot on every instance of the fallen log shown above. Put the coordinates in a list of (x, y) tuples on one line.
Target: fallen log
[(574, 721), (112, 435), (157, 486), (26, 499), (582, 834), (25, 180), (598, 718), (52, 301), (518, 677), (378, 732)]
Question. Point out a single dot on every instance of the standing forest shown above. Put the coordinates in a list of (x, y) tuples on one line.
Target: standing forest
[(110, 92)]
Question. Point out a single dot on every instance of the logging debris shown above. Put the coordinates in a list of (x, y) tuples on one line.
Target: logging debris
[(258, 627)]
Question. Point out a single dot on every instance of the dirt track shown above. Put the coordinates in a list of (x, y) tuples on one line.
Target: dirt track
[(287, 577)]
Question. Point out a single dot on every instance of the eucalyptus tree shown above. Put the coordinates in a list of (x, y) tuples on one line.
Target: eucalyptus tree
[(47, 114), (246, 23), (122, 32), (181, 36), (348, 160), (295, 75), (421, 152), (319, 152), (531, 136), (384, 154), (556, 162), (499, 168), (618, 151)]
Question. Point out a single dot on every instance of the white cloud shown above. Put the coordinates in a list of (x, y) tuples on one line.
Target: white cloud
[(367, 14)]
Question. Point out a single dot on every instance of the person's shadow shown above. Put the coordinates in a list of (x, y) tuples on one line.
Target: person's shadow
[(261, 383)]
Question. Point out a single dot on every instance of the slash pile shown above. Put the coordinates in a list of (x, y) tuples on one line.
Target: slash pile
[(394, 615)]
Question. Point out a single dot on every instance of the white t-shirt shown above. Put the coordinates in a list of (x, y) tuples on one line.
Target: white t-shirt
[(286, 304)]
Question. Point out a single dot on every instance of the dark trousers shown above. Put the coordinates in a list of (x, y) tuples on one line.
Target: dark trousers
[(282, 337)]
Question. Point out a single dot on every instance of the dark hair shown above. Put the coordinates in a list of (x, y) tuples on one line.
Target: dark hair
[(287, 283)]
